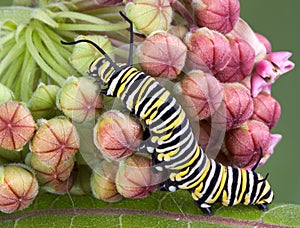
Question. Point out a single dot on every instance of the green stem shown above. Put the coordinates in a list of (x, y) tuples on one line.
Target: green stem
[(7, 48), (27, 73), (81, 17), (12, 55), (6, 38), (11, 73), (56, 53), (105, 10), (47, 57), (35, 54), (88, 27)]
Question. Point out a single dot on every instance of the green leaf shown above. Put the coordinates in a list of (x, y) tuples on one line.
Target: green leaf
[(161, 209)]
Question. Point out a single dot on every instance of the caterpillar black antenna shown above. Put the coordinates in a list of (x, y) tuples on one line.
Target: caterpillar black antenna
[(113, 64), (258, 161), (131, 38)]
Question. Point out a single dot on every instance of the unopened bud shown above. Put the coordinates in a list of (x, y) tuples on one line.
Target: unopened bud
[(79, 99), (117, 135), (18, 187), (162, 55), (135, 178), (266, 109), (43, 102), (242, 145), (241, 63), (83, 53), (103, 182), (16, 125), (217, 15), (149, 15), (238, 106), (203, 94), (54, 179), (5, 94), (209, 50), (55, 141)]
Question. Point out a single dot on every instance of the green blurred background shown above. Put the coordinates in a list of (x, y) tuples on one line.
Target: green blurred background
[(279, 21)]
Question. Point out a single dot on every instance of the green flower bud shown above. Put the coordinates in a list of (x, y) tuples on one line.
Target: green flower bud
[(149, 15), (79, 100), (83, 53), (43, 102), (18, 187), (5, 94), (103, 182), (81, 184)]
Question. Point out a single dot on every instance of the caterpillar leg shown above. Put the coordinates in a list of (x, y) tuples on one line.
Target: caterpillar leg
[(262, 207), (205, 208)]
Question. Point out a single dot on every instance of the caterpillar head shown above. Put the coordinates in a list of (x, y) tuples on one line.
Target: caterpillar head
[(102, 70)]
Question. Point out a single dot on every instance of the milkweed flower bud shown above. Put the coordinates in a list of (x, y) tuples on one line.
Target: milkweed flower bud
[(242, 145), (42, 103), (267, 71), (208, 50), (217, 15), (103, 182), (149, 15), (241, 63), (56, 179), (5, 94), (117, 135), (55, 141), (203, 94), (135, 178), (266, 109), (178, 30), (18, 187), (79, 99), (83, 53), (264, 41), (16, 125), (162, 55), (238, 106), (205, 131)]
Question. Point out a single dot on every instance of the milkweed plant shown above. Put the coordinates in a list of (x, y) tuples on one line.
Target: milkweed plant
[(54, 124)]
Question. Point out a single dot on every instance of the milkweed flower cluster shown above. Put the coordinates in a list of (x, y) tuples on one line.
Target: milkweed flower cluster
[(65, 137)]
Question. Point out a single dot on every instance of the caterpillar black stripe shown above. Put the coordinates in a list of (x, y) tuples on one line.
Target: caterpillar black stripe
[(171, 141)]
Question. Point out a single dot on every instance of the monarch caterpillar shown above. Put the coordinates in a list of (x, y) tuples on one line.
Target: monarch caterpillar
[(171, 141)]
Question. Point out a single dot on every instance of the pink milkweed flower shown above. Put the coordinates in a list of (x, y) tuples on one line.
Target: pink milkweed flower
[(269, 70)]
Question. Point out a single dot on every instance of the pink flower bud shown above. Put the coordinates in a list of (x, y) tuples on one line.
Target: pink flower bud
[(135, 178), (281, 61), (56, 179), (55, 141), (117, 135), (18, 187), (266, 109), (203, 94), (16, 125), (238, 106), (204, 136), (243, 144), (209, 50), (149, 15), (217, 15), (241, 63), (264, 41), (103, 182), (162, 55)]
